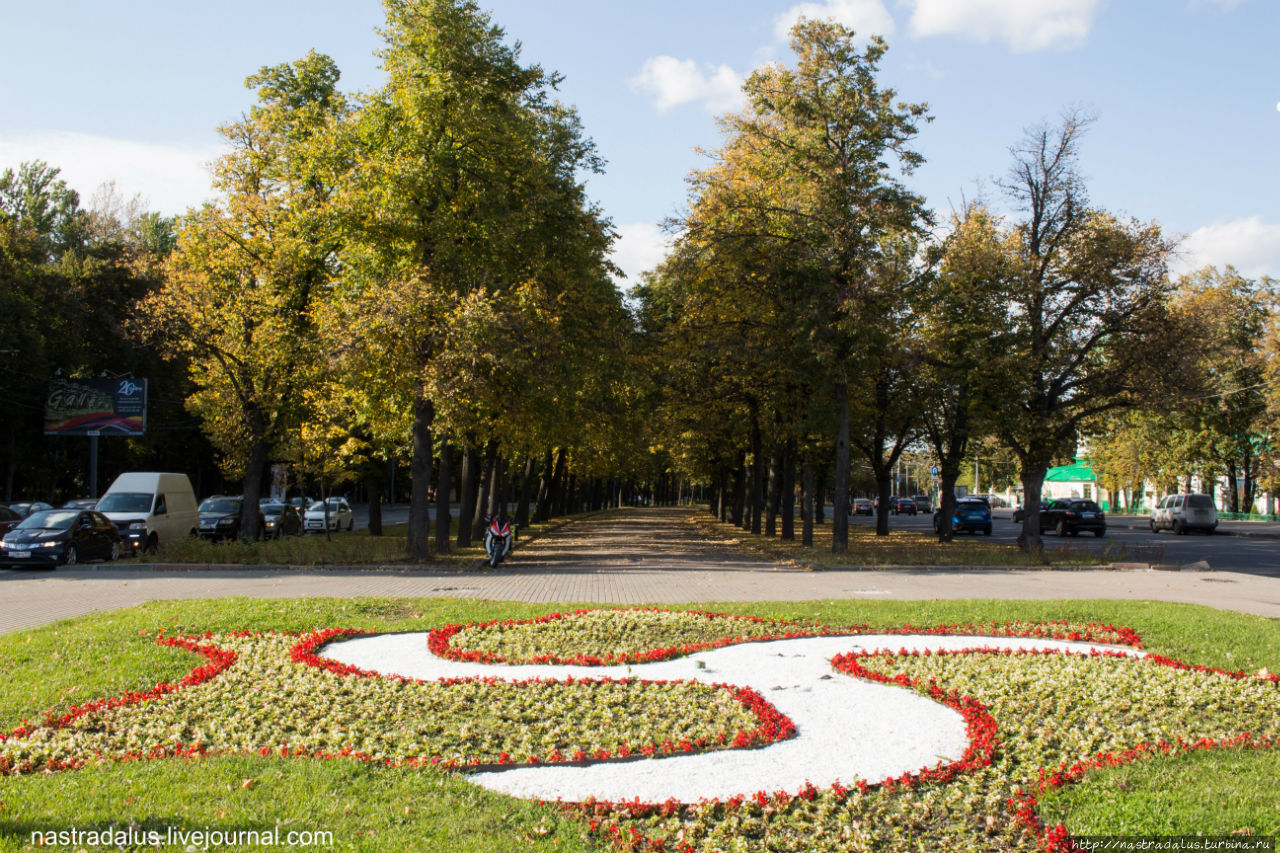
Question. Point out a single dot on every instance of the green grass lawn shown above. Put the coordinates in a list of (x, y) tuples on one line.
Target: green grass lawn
[(373, 808)]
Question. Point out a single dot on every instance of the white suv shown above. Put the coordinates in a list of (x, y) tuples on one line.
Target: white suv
[(1181, 513)]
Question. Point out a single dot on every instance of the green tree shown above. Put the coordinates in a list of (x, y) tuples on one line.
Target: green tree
[(465, 163)]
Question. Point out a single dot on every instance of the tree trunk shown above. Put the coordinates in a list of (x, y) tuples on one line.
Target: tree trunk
[(789, 491), (948, 473), (542, 505), (840, 504), (526, 485), (558, 484), (820, 495), (444, 491), (1032, 486), (253, 473), (467, 495), (806, 504), (884, 495), (486, 480), (774, 496), (757, 470), (419, 545), (740, 491), (1233, 483)]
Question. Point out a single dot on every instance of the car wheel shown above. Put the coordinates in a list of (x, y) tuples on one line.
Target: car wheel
[(153, 542), (351, 525), (1062, 528), (71, 557), (1179, 528), (986, 531), (1098, 533), (1154, 529), (115, 550)]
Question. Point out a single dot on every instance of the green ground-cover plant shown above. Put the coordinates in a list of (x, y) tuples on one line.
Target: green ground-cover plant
[(364, 805)]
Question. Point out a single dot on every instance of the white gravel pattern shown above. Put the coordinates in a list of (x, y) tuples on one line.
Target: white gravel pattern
[(846, 728)]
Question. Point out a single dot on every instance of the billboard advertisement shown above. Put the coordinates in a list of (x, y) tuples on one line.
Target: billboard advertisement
[(96, 407)]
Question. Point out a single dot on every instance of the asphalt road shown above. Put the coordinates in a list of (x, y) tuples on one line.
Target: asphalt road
[(1251, 554)]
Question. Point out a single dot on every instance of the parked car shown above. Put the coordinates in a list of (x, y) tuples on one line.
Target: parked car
[(340, 515), (25, 508), (1184, 513), (301, 504), (923, 503), (281, 519), (81, 503), (151, 507), (969, 515), (220, 517), (8, 519), (56, 537), (1069, 516), (902, 506), (862, 506)]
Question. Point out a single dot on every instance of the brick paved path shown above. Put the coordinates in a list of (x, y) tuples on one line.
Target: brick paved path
[(630, 557)]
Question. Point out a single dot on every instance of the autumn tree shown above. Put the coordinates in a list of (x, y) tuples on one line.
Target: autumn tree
[(1089, 324), (246, 270)]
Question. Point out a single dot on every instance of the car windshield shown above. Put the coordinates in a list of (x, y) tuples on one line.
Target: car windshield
[(125, 502), (970, 504), (271, 509), (50, 519), (1086, 506), (1200, 502), (220, 505)]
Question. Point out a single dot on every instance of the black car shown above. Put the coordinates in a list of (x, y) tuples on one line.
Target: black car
[(220, 517), (1068, 516), (280, 518), (969, 515), (902, 506), (60, 537)]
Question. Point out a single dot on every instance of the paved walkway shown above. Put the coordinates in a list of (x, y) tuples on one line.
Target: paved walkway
[(642, 556)]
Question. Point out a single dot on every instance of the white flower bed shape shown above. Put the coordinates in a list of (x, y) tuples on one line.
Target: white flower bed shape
[(847, 728)]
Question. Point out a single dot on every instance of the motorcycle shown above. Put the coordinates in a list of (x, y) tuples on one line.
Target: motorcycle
[(498, 538)]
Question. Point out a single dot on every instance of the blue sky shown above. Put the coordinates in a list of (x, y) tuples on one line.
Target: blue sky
[(1186, 94)]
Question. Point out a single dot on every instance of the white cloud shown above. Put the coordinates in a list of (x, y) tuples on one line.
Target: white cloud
[(674, 81), (1250, 245), (865, 17), (1023, 25), (640, 248), (170, 178)]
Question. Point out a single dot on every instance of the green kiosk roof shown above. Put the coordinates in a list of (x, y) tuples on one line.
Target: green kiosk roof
[(1077, 472)]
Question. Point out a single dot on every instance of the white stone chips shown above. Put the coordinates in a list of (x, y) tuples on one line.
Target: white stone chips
[(846, 728)]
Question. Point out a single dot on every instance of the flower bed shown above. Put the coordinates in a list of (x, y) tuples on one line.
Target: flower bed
[(1034, 721)]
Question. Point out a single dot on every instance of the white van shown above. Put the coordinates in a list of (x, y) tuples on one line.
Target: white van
[(1181, 513), (150, 508)]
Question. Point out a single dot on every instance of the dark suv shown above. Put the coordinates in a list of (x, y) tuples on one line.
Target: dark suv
[(220, 517), (902, 506), (1068, 516)]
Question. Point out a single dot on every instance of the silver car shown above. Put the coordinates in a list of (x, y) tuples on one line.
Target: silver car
[(1183, 513)]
